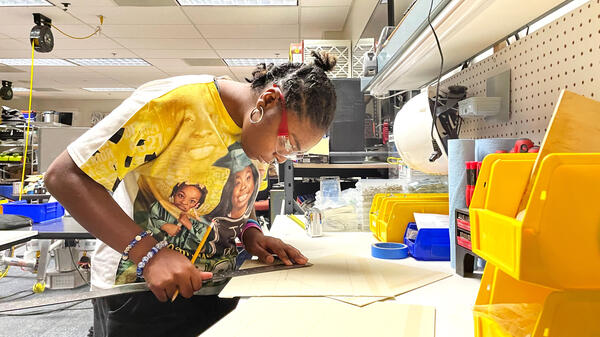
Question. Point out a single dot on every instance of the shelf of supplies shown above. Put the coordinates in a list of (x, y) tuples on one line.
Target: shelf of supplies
[(410, 58)]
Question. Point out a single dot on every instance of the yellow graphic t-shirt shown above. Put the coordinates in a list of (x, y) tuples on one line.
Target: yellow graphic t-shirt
[(172, 157)]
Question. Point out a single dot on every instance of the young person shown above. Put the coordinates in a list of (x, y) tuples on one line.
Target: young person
[(180, 130)]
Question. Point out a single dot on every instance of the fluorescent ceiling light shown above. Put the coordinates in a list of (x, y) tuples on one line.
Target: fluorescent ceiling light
[(238, 2), (19, 89), (118, 62), (251, 62), (36, 62), (108, 89), (24, 3)]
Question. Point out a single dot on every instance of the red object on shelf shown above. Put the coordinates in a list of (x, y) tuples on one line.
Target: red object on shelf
[(463, 242), (460, 223), (534, 149), (522, 145), (386, 132)]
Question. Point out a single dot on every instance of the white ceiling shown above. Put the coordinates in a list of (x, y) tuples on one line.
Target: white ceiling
[(163, 36)]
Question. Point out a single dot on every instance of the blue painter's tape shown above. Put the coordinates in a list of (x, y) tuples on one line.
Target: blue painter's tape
[(389, 250)]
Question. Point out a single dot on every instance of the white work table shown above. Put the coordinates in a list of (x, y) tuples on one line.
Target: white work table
[(453, 297)]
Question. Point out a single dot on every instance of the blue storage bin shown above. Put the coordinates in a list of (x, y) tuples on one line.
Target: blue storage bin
[(37, 212), (6, 191), (429, 244)]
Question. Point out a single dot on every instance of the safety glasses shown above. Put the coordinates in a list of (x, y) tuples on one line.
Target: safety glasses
[(283, 144)]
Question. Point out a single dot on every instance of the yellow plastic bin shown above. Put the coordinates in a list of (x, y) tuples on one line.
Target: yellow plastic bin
[(506, 307), (377, 204), (557, 243), (391, 228)]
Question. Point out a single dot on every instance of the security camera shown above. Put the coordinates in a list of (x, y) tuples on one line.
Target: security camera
[(41, 35), (6, 91)]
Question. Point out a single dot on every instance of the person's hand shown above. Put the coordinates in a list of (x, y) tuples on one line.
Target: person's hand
[(264, 247), (168, 271), (184, 219), (170, 229)]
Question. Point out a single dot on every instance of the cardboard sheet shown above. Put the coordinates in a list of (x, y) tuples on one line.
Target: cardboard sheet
[(291, 317), (334, 275), (574, 127)]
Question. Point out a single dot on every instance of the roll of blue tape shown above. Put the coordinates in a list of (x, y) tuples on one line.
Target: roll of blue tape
[(389, 250)]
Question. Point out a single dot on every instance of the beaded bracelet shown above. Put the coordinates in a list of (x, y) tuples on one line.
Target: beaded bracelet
[(148, 257), (133, 242)]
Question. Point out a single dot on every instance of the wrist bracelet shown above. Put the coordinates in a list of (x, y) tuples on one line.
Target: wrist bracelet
[(148, 257), (133, 242)]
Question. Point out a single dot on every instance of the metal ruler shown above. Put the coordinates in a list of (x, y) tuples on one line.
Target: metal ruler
[(131, 288)]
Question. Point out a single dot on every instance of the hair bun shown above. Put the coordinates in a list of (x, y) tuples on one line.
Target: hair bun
[(324, 60)]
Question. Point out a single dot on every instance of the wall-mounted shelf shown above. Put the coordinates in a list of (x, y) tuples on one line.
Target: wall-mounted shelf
[(465, 27)]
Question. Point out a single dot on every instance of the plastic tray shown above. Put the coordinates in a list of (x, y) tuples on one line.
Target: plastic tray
[(37, 212)]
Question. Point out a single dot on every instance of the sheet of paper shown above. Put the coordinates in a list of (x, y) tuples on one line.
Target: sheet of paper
[(427, 220), (334, 275), (359, 301), (301, 317)]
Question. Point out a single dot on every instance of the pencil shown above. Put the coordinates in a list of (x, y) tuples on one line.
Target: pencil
[(196, 253)]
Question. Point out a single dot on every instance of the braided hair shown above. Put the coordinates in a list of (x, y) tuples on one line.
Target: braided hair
[(306, 87)]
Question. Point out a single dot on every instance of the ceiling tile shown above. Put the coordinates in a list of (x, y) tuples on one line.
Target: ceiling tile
[(285, 15), (23, 15), (321, 3), (92, 53), (216, 71), (91, 43), (131, 15), (253, 53), (251, 43), (171, 53), (151, 31), (329, 18), (164, 43), (248, 31)]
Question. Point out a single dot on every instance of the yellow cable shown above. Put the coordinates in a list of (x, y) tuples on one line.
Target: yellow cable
[(12, 252), (75, 37), (27, 130), (395, 161)]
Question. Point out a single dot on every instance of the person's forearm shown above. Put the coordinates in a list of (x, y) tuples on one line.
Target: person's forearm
[(93, 207)]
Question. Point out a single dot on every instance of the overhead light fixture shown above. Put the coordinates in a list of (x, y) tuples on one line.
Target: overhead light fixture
[(238, 2), (111, 62), (24, 3), (41, 34), (108, 89), (251, 62), (20, 89), (37, 62)]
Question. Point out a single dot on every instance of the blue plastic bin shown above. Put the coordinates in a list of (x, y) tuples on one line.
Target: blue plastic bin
[(37, 212), (6, 191), (430, 244)]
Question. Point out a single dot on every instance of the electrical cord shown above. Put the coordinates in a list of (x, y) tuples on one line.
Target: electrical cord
[(76, 37), (17, 293), (437, 89), (76, 267), (45, 312)]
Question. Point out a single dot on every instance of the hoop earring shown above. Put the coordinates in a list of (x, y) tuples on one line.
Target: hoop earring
[(255, 110)]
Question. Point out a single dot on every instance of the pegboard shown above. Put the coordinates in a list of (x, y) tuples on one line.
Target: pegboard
[(565, 54)]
